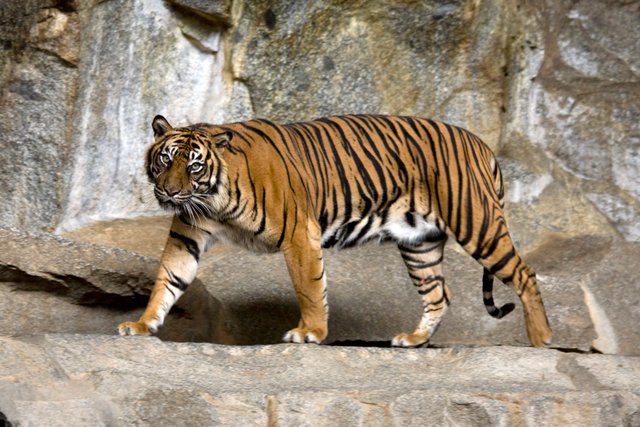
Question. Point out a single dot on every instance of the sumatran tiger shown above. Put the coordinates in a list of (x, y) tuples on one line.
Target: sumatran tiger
[(335, 182)]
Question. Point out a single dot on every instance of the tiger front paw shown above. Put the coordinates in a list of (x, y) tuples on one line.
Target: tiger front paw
[(305, 335), (134, 328)]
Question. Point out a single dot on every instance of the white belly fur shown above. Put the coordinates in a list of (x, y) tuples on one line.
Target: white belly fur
[(396, 228), (402, 232)]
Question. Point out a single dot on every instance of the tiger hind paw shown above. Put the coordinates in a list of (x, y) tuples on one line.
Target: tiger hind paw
[(410, 340)]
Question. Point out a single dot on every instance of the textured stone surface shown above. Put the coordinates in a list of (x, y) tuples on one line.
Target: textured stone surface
[(38, 81), (142, 381), (52, 284), (437, 59), (217, 11), (79, 84), (599, 272), (572, 104), (84, 272), (139, 59)]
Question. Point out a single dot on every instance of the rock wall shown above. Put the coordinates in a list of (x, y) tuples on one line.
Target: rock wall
[(435, 59), (553, 86), (571, 126), (38, 75)]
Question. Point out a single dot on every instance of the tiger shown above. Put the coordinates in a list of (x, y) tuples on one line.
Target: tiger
[(338, 181)]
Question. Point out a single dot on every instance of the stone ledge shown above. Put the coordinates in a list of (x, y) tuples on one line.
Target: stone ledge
[(107, 380), (80, 270)]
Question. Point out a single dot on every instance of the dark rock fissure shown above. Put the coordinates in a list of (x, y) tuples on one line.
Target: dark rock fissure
[(77, 289), (4, 422)]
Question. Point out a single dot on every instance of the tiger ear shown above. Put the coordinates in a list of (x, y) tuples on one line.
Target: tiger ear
[(160, 126), (221, 140)]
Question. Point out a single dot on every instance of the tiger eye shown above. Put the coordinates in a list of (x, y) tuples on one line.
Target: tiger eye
[(164, 158), (195, 167)]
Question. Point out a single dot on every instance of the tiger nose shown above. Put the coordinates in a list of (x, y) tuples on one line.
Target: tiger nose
[(172, 191)]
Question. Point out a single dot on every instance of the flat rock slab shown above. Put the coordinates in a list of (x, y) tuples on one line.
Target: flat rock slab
[(77, 380), (86, 272)]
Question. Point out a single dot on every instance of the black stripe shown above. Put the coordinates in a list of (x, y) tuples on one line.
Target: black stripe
[(484, 227), (263, 220), (166, 286), (284, 227), (432, 278), (190, 244), (319, 277), (417, 265), (502, 262), (409, 139), (409, 217), (375, 185), (438, 301), (364, 230), (344, 181), (176, 281), (429, 289), (391, 149), (487, 287), (366, 201), (418, 250), (273, 144)]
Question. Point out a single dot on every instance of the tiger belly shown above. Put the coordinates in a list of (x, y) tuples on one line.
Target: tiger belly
[(406, 231), (406, 228)]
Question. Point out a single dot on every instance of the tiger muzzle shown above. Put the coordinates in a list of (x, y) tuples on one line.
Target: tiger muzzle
[(171, 196)]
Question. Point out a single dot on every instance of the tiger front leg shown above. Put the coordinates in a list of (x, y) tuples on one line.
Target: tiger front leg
[(167, 289), (178, 268), (306, 268)]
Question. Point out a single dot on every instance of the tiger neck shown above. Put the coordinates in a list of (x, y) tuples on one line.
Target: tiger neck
[(220, 202)]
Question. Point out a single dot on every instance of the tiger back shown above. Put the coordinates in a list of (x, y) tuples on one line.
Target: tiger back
[(335, 182)]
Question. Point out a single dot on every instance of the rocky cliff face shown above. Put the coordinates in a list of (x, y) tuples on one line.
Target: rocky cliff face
[(78, 83), (553, 86)]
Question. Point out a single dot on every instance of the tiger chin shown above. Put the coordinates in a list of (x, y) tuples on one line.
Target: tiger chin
[(335, 182)]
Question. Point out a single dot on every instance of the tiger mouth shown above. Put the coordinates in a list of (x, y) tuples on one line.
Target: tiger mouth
[(176, 200), (170, 204), (193, 205)]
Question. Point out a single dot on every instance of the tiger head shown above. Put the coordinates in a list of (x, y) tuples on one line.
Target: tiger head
[(186, 166)]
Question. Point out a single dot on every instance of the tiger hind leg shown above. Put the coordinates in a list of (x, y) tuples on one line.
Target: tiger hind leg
[(501, 259), (424, 264)]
